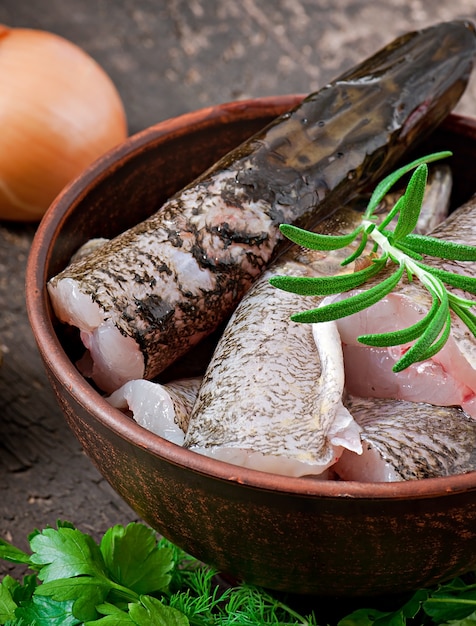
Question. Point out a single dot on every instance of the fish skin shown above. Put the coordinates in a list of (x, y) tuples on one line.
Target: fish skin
[(408, 441), (162, 286), (267, 400)]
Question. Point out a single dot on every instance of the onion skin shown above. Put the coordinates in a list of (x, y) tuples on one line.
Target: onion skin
[(59, 111)]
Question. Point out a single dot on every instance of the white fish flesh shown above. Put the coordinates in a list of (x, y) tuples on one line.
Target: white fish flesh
[(269, 399), (449, 377), (408, 441), (145, 298), (162, 409)]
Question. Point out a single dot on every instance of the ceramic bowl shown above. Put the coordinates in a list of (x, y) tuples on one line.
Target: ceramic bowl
[(291, 534)]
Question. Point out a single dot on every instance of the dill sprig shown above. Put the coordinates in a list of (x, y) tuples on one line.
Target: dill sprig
[(402, 248)]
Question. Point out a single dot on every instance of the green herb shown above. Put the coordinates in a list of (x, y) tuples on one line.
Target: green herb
[(134, 578), (402, 248)]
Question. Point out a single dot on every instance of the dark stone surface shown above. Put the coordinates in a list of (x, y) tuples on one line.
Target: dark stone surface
[(166, 57)]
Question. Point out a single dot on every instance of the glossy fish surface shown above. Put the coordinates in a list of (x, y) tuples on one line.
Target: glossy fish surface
[(146, 297), (162, 409), (272, 395), (408, 441), (269, 399)]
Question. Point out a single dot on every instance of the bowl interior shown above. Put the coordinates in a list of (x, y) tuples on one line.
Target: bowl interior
[(342, 538), (130, 183)]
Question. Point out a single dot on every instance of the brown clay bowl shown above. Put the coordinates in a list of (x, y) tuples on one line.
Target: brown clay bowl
[(292, 534)]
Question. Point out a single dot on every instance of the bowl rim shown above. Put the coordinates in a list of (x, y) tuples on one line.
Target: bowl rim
[(83, 393)]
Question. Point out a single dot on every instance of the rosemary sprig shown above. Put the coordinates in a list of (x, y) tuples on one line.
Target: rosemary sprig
[(401, 247)]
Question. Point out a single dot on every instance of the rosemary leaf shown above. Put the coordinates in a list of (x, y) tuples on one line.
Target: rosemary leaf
[(466, 316), (401, 245), (405, 335), (324, 286), (317, 241), (358, 251), (438, 345), (351, 305), (422, 346), (388, 182), (392, 213), (405, 249), (467, 283), (411, 205), (440, 248)]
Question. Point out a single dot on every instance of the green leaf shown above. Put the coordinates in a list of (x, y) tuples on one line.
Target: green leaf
[(22, 593), (42, 611), (7, 603), (316, 241), (373, 617), (147, 612), (466, 316), (124, 619), (391, 214), (351, 305), (12, 554), (112, 616), (151, 612), (405, 335), (440, 248), (86, 593), (358, 251), (362, 617), (134, 560), (422, 348), (389, 181), (411, 206), (453, 601), (65, 553), (400, 245), (318, 285), (467, 283), (437, 345)]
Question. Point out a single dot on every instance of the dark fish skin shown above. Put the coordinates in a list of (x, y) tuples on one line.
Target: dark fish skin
[(299, 169), (413, 439)]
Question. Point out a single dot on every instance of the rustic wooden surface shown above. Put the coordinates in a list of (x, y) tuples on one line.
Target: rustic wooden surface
[(166, 57)]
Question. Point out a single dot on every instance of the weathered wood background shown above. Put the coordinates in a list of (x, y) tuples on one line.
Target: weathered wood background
[(166, 57)]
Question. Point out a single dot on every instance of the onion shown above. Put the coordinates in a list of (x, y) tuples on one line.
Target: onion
[(59, 111)]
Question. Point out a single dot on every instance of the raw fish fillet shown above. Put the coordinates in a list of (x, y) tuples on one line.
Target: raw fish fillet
[(145, 298), (271, 397), (408, 441), (449, 378), (270, 400), (162, 409)]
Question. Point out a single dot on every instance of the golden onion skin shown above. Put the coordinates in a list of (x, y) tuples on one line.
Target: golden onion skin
[(59, 111)]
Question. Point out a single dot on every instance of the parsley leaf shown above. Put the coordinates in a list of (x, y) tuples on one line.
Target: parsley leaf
[(64, 553), (134, 559), (453, 601), (43, 611), (151, 612), (147, 612), (86, 593), (12, 554), (7, 603)]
